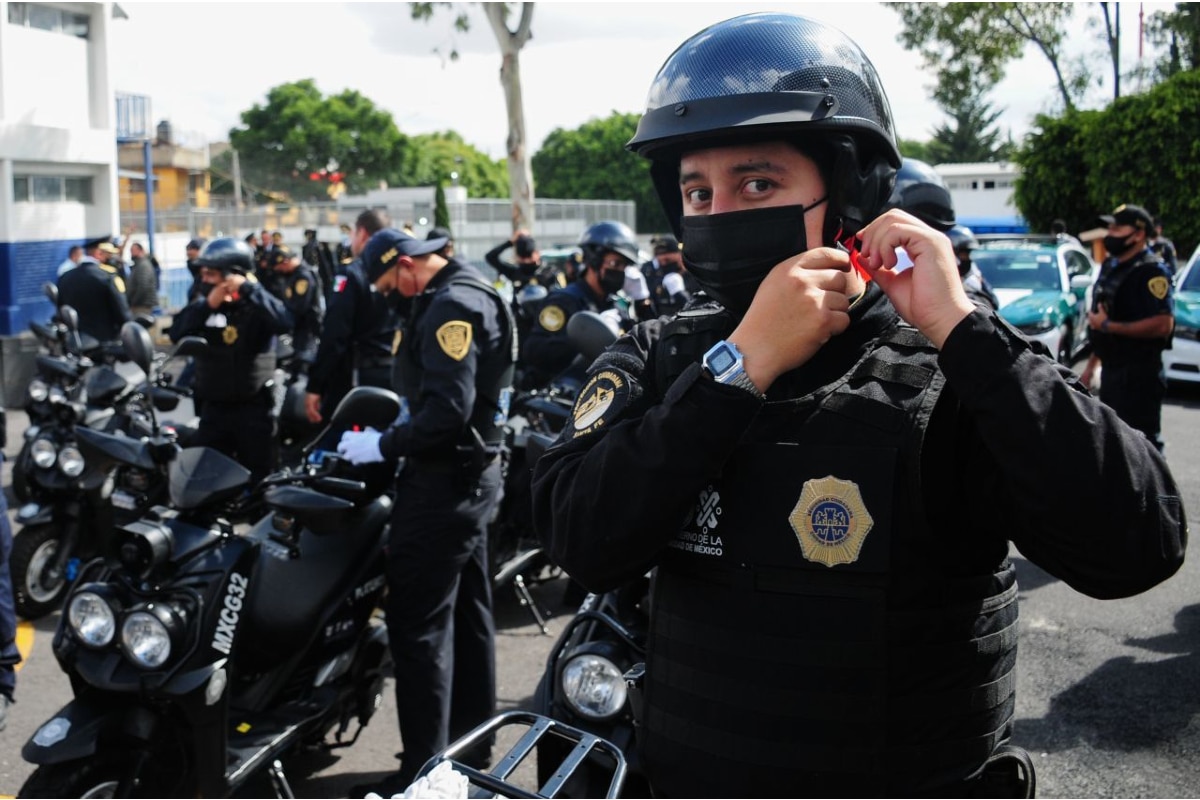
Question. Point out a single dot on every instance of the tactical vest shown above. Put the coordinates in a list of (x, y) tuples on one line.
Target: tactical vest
[(493, 379), (810, 633), (1121, 350)]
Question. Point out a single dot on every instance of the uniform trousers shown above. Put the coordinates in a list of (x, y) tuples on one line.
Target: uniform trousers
[(439, 608), (9, 655), (243, 430), (1135, 390)]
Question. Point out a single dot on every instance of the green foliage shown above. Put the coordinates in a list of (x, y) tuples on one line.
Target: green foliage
[(1179, 32), (591, 162), (911, 148), (441, 214), (299, 131), (431, 157), (972, 138), (1142, 149)]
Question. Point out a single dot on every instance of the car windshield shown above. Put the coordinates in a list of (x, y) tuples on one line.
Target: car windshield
[(1018, 269), (1191, 281)]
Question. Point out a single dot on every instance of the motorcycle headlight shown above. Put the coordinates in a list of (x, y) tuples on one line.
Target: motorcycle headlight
[(70, 461), (57, 395), (146, 635), (44, 453), (593, 686), (38, 390), (92, 619)]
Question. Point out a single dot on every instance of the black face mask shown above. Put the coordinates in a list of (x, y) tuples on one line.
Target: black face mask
[(612, 280), (964, 265), (1116, 245), (730, 254)]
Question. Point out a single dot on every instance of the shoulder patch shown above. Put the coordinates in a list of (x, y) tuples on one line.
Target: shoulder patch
[(1159, 286), (301, 287), (602, 399), (339, 283), (454, 338), (119, 283), (552, 318)]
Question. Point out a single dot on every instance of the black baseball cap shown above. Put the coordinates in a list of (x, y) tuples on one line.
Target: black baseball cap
[(384, 249), (1127, 214), (195, 244), (439, 233), (666, 244)]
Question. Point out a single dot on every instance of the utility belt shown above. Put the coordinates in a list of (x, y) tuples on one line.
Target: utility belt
[(469, 459), (374, 361)]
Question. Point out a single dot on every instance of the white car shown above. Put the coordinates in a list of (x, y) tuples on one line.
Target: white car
[(1182, 361)]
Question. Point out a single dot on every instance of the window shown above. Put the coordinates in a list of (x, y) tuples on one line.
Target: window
[(47, 18), (989, 184), (52, 189)]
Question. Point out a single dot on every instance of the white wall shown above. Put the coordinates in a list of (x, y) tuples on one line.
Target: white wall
[(45, 78)]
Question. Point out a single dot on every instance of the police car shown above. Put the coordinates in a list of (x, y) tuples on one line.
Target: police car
[(1042, 283), (1182, 361)]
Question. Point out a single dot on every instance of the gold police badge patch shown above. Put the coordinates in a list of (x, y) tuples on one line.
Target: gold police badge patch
[(830, 520), (601, 400), (552, 318), (301, 287), (455, 339), (120, 284), (1159, 286), (229, 335)]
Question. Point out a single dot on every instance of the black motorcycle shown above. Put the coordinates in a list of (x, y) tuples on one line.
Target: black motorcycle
[(66, 520), (201, 655)]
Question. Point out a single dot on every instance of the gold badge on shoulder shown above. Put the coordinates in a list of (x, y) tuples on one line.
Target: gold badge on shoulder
[(301, 287), (1158, 286), (552, 318), (601, 400), (455, 339), (830, 520)]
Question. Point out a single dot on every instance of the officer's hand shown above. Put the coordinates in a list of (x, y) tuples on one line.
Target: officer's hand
[(636, 288), (612, 318), (361, 447), (312, 407), (802, 303), (218, 293), (930, 295), (1097, 318)]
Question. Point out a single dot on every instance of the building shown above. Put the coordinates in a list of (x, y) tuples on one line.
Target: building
[(58, 171), (181, 177), (983, 195)]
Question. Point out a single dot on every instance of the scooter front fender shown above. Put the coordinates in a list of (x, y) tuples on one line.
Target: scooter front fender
[(72, 733)]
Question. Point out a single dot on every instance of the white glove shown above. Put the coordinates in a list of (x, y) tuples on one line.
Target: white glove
[(673, 284), (635, 284), (612, 318), (361, 447)]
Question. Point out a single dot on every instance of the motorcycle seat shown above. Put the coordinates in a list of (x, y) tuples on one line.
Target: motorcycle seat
[(288, 596)]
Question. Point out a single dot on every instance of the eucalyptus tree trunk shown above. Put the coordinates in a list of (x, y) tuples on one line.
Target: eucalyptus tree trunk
[(520, 172)]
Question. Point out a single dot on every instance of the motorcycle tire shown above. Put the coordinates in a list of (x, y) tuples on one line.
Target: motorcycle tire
[(35, 595), (91, 777)]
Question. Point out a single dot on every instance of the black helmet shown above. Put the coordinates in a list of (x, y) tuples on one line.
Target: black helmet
[(773, 76), (961, 238), (601, 237), (228, 255), (921, 192)]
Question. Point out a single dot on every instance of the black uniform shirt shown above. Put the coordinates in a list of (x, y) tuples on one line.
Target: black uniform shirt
[(453, 330), (359, 326), (1012, 437), (304, 299), (1135, 289), (97, 292)]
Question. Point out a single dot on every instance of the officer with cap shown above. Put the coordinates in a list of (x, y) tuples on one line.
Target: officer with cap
[(358, 334), (456, 359), (608, 249), (671, 287), (440, 232), (1131, 322), (240, 321), (303, 297), (96, 290), (826, 460)]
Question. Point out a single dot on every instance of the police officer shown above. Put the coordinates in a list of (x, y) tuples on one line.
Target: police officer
[(318, 256), (358, 333), (670, 284), (240, 321), (979, 291), (1164, 248), (457, 355), (608, 249), (1131, 322), (96, 290), (303, 297), (832, 608), (10, 656)]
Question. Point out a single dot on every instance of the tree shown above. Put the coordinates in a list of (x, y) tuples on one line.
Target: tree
[(972, 138), (911, 148), (968, 45), (591, 162), (433, 157), (299, 134), (441, 214), (1179, 32), (1053, 180), (520, 173)]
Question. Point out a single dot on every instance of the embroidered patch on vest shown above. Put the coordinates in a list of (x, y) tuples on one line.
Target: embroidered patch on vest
[(455, 339), (830, 520), (552, 318), (602, 399), (229, 335), (1158, 286)]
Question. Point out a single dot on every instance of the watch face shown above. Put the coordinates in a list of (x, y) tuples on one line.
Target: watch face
[(721, 361)]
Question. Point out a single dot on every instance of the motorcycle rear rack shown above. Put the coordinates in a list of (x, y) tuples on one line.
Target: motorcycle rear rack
[(494, 783)]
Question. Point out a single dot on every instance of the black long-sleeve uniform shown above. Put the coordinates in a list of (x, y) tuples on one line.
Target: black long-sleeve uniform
[(97, 292), (860, 635)]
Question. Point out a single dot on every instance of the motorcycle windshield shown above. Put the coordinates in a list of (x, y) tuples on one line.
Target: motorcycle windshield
[(201, 475)]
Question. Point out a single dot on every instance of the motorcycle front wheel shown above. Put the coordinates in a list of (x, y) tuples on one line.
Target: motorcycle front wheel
[(82, 778), (37, 587)]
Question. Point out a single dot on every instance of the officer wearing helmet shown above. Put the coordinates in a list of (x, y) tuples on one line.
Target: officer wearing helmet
[(304, 298), (826, 458), (963, 241), (240, 321), (609, 248)]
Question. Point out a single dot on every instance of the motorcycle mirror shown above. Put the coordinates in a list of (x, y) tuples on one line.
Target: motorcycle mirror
[(145, 320), (69, 317), (136, 344), (589, 333), (366, 406), (51, 291)]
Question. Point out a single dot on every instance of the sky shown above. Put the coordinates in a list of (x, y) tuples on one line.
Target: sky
[(202, 64)]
